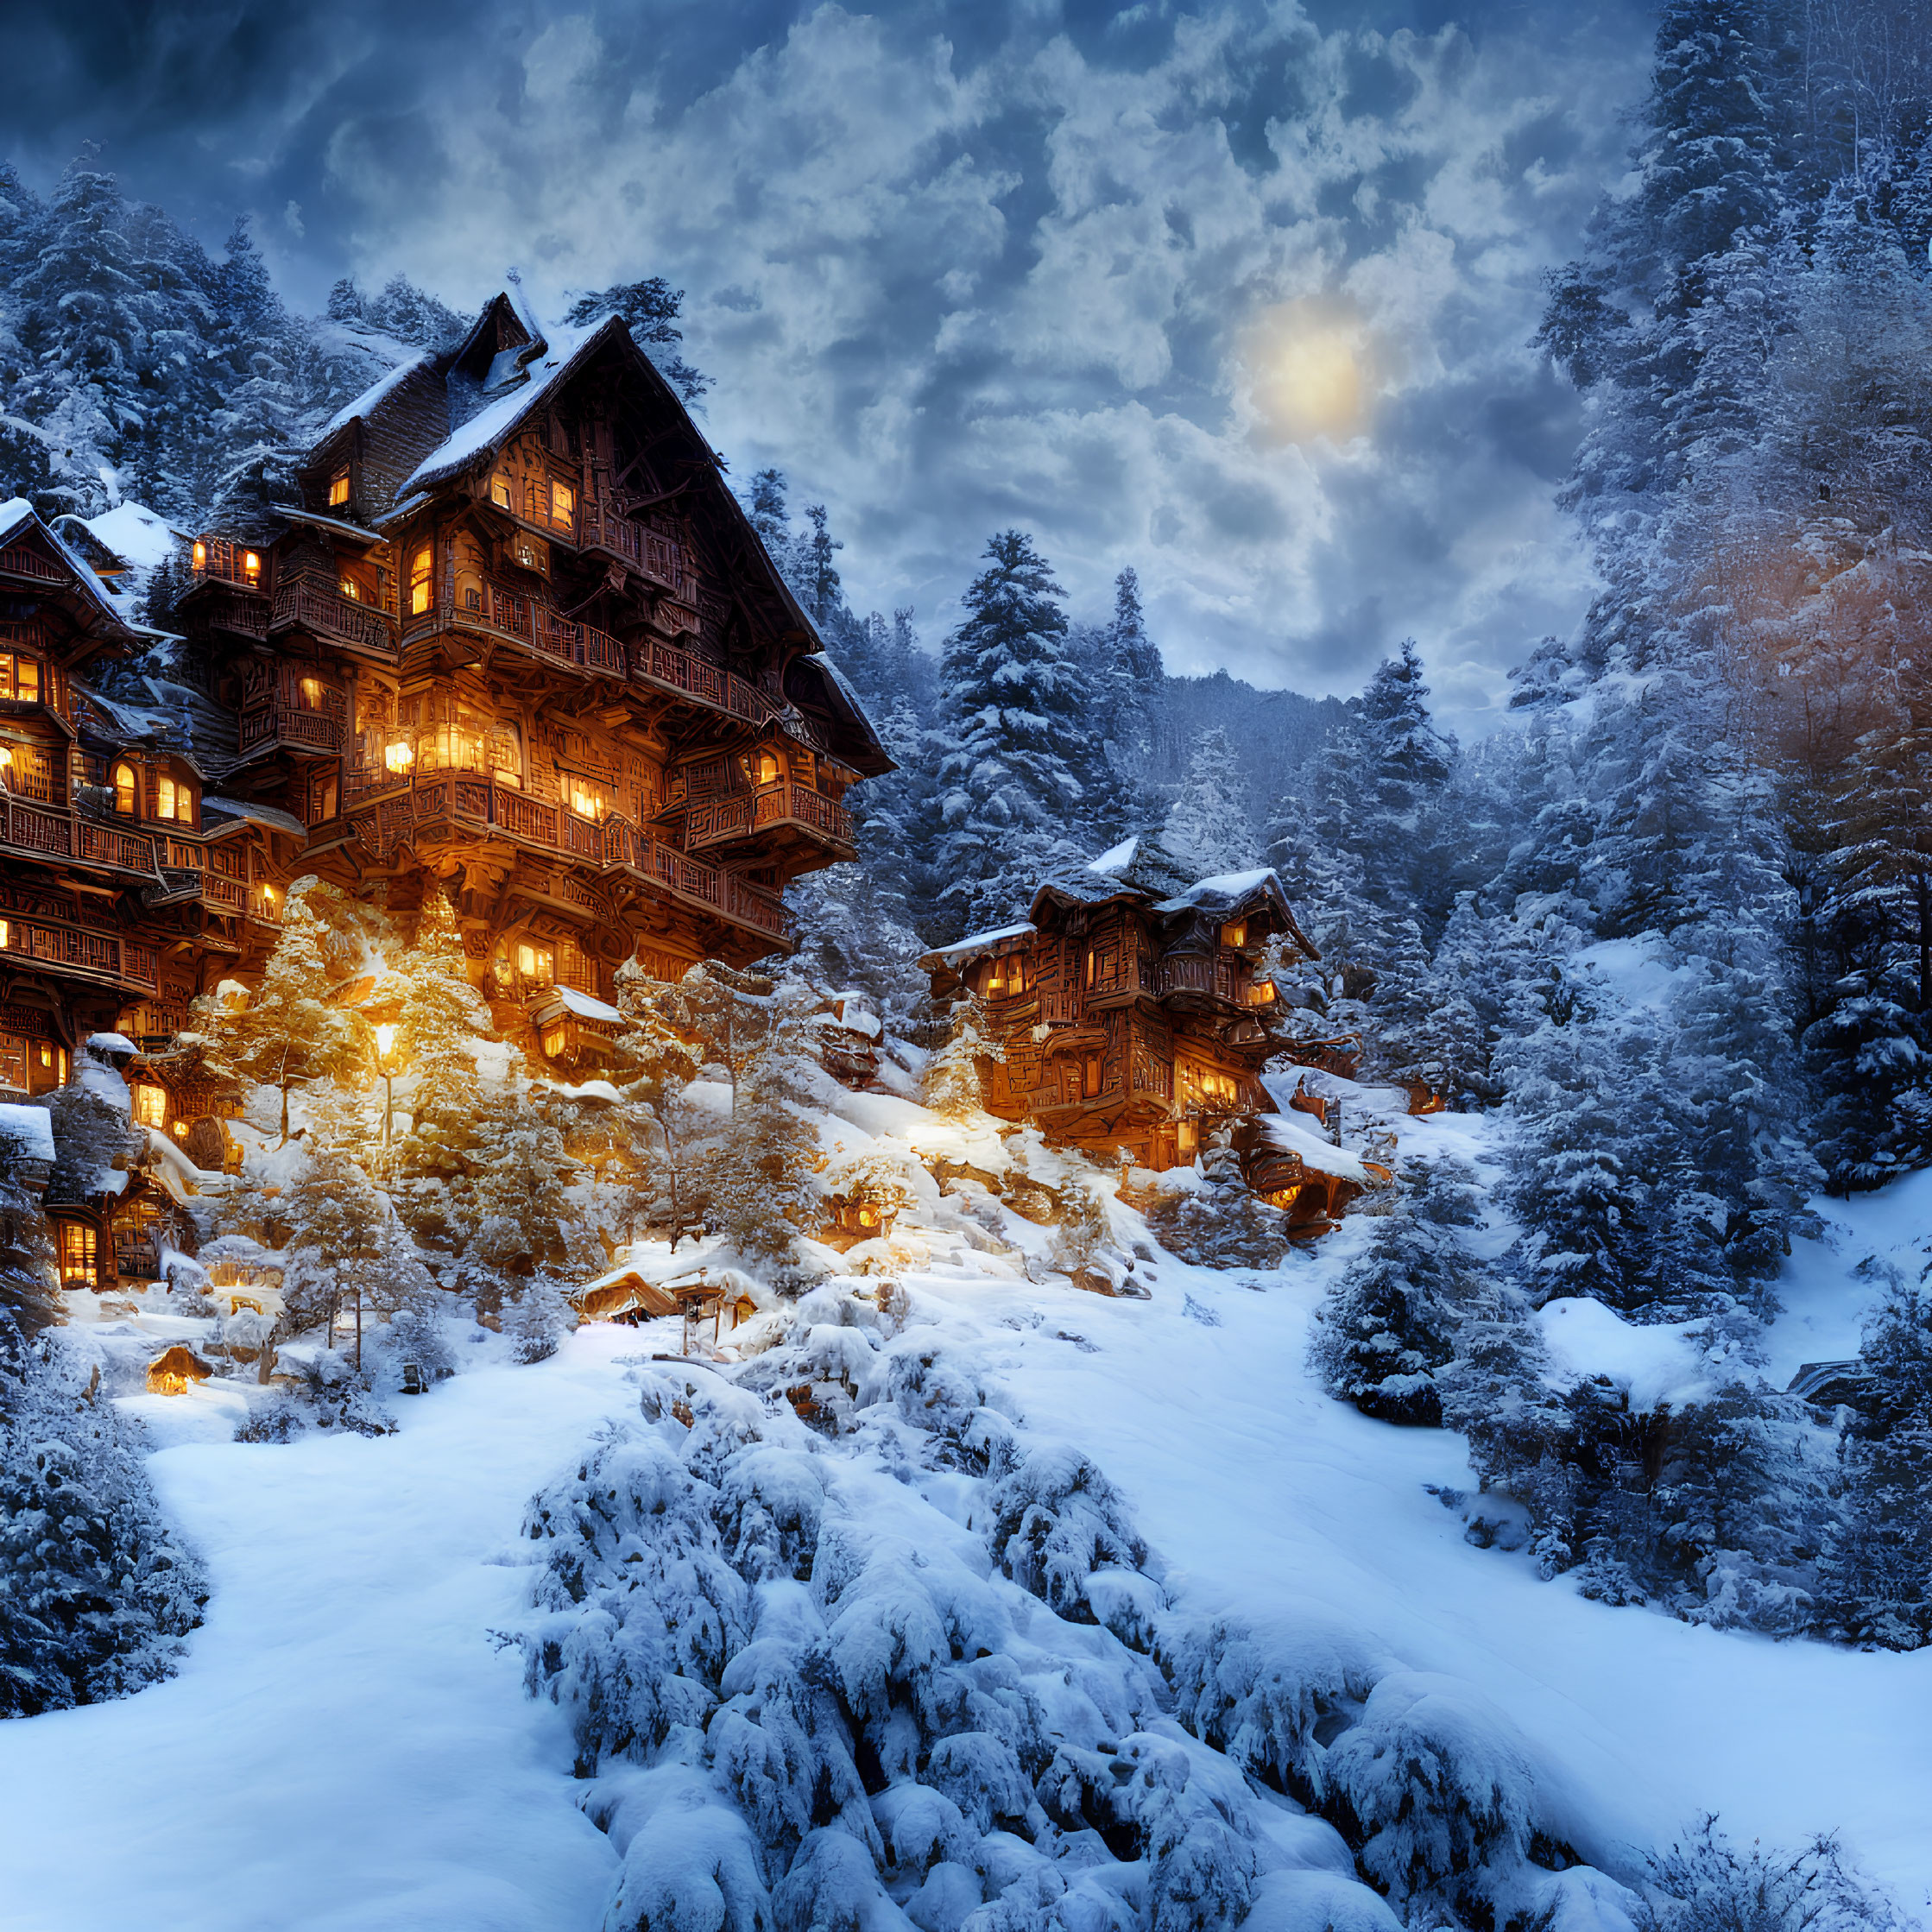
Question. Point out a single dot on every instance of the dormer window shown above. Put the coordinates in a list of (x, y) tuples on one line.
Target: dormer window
[(124, 790), (768, 768), (338, 489), (500, 491), (174, 800), (563, 505)]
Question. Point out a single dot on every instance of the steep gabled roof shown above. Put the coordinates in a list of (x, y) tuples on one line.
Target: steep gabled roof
[(19, 522)]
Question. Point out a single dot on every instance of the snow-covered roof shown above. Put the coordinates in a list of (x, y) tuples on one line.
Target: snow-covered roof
[(1116, 858), (980, 941), (1292, 1138), (496, 419), (16, 513), (143, 537), (363, 404), (275, 819), (1222, 887), (339, 526), (111, 1043), (585, 1007), (28, 1131)]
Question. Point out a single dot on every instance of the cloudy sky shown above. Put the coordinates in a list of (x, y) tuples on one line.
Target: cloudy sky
[(1238, 294)]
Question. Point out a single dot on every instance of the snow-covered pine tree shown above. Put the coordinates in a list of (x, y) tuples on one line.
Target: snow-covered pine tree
[(1016, 742), (1391, 1320), (1207, 828), (651, 307), (952, 1085)]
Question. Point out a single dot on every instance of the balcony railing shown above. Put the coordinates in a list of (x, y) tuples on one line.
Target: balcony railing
[(1211, 978), (302, 725), (79, 951), (107, 845), (33, 827), (307, 606), (719, 821), (655, 662), (384, 818), (222, 560), (659, 558), (229, 610)]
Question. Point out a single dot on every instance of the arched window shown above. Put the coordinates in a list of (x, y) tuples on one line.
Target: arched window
[(124, 789)]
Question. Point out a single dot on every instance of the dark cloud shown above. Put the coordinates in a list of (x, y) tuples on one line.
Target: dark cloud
[(958, 264)]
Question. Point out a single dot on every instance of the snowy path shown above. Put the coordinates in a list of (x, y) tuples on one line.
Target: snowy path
[(343, 1751)]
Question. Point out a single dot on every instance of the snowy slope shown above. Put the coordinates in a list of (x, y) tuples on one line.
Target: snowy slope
[(345, 1749)]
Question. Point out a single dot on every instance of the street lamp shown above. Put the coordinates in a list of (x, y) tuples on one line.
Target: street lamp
[(385, 1045)]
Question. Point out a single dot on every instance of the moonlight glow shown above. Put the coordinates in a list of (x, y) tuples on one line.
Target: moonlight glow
[(1307, 368)]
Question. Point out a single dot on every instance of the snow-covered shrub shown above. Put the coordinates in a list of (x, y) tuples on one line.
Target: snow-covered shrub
[(1705, 1883), (1056, 1521), (1220, 1222), (95, 1590), (952, 1083), (333, 1396), (281, 1419), (536, 1320), (1436, 1792), (1391, 1319), (417, 1333)]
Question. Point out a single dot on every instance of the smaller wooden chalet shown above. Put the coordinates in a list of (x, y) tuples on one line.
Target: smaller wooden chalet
[(1129, 1002)]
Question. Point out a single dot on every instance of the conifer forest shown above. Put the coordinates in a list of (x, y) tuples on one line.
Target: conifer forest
[(1225, 1221)]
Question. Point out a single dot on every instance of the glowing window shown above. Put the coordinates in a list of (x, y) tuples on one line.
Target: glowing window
[(768, 768), (311, 689), (6, 937), (500, 491), (536, 962), (533, 554), (351, 590), (201, 556), (150, 1106), (584, 802), (1235, 934), (124, 789), (165, 797), (563, 504), (27, 681), (419, 565), (77, 1252), (338, 489), (554, 1041), (251, 566)]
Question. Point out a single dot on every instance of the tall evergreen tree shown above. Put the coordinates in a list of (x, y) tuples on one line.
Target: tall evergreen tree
[(1014, 732)]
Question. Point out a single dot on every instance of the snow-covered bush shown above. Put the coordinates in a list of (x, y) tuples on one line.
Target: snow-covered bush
[(1705, 1883), (536, 1319), (1220, 1222), (1056, 1521), (97, 1591), (333, 1396), (1391, 1319)]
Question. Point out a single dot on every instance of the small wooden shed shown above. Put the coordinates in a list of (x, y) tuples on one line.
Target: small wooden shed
[(174, 1369)]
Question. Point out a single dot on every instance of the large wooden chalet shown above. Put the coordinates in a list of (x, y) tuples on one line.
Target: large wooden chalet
[(1133, 1016), (513, 633), (508, 631)]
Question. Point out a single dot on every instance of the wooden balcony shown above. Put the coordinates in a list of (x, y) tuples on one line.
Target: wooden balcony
[(783, 806), (115, 850), (240, 613), (387, 817), (78, 952), (501, 610), (41, 830), (660, 558), (306, 606), (654, 662), (271, 725), (1221, 978)]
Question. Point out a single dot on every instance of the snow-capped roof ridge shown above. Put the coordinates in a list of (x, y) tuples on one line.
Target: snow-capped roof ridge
[(378, 391)]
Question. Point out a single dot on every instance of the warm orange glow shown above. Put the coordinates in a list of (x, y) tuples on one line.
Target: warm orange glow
[(201, 556), (251, 566), (400, 756)]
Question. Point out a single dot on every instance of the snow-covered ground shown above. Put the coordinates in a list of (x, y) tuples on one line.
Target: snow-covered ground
[(345, 1749)]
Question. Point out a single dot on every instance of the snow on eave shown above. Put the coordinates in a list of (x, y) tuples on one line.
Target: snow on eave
[(336, 525), (275, 819), (585, 1007), (1289, 1137), (498, 420), (975, 943), (17, 512), (378, 392)]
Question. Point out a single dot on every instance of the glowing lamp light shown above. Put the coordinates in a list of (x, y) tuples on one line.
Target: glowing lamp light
[(400, 756), (251, 566), (385, 1039), (180, 1130), (201, 556), (6, 758)]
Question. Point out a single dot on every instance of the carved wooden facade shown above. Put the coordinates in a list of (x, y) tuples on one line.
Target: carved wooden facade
[(123, 883), (1131, 1009), (517, 636)]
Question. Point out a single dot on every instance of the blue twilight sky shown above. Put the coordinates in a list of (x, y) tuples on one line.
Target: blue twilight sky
[(1239, 294)]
